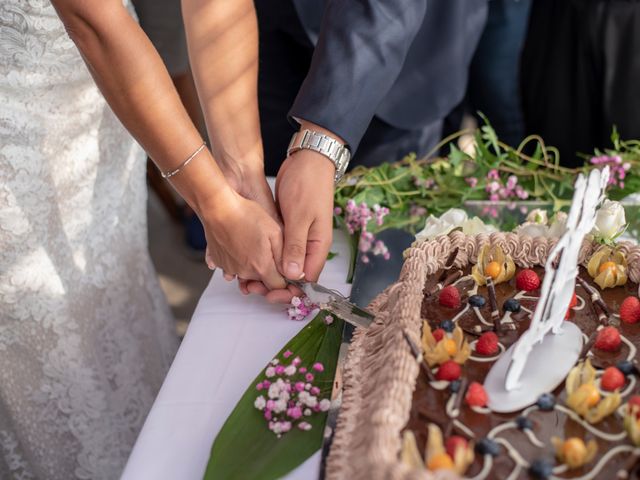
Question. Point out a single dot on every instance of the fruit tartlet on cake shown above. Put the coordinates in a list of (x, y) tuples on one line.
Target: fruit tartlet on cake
[(414, 404)]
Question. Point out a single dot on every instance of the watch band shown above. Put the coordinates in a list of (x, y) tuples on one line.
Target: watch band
[(328, 146)]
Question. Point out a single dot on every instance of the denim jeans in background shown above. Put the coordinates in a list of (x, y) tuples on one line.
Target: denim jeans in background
[(494, 81)]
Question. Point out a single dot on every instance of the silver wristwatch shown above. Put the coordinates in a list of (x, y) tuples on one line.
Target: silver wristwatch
[(328, 146)]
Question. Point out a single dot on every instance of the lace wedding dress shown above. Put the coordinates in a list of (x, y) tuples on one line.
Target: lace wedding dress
[(85, 333)]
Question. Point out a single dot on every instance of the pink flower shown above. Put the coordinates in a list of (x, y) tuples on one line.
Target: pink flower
[(492, 187), (306, 426), (472, 181), (417, 211), (300, 308), (314, 391), (318, 367), (309, 377), (287, 354), (357, 218), (294, 412), (302, 369), (299, 386), (279, 370)]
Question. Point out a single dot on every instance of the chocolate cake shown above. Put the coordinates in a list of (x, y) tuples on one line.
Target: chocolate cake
[(413, 401)]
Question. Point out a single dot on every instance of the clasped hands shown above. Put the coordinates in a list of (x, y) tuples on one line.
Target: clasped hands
[(265, 242)]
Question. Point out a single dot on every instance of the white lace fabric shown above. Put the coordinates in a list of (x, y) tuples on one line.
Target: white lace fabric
[(85, 333)]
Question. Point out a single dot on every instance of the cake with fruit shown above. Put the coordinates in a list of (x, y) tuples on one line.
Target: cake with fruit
[(415, 404)]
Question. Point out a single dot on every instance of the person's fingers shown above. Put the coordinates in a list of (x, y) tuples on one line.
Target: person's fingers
[(257, 288), (228, 277), (295, 291), (269, 273), (272, 278), (318, 245), (281, 295), (242, 285), (294, 251), (209, 260), (276, 247)]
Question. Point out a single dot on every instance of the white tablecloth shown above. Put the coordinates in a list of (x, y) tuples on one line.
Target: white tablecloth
[(230, 338)]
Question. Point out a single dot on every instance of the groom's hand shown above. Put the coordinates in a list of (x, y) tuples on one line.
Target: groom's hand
[(304, 197), (304, 194)]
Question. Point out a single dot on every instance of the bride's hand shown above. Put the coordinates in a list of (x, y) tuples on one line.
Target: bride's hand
[(250, 182), (242, 239)]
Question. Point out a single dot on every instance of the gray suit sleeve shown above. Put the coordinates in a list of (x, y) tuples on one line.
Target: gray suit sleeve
[(360, 52)]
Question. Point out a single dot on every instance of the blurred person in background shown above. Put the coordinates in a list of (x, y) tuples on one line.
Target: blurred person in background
[(494, 77), (580, 74)]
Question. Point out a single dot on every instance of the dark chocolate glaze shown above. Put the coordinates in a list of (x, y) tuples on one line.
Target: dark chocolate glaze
[(429, 404)]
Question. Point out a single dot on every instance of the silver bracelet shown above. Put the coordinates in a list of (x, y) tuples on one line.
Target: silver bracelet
[(185, 163)]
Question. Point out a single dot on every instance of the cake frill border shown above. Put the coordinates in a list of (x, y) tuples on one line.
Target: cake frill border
[(380, 372)]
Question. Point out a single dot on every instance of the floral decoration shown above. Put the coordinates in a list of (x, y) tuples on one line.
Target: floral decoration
[(300, 308), (358, 220), (610, 223), (539, 225), (288, 395), (411, 189), (451, 220), (608, 267), (452, 346), (583, 396), (492, 262)]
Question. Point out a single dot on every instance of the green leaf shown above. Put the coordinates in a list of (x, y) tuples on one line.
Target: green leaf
[(245, 447), (370, 196), (332, 255)]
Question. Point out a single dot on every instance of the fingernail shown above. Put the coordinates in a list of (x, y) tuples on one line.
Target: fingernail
[(292, 270)]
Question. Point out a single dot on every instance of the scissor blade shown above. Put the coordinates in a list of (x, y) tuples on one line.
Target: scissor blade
[(335, 303)]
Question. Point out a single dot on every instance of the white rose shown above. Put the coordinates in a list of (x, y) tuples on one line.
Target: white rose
[(610, 221), (434, 226), (532, 229), (474, 226), (454, 216), (559, 225), (538, 216)]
